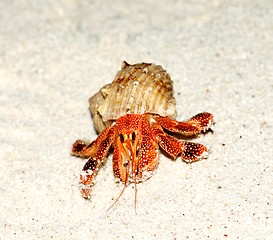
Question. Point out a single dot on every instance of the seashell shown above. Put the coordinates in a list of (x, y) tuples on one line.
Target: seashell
[(138, 88)]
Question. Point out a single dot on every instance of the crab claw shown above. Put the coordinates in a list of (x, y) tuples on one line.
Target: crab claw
[(192, 152), (87, 175)]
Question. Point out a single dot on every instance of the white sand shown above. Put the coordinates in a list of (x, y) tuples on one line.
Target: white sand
[(55, 54)]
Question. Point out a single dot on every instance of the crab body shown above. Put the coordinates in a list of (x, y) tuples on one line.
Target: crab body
[(134, 115), (136, 139)]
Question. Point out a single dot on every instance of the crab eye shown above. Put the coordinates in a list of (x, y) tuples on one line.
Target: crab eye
[(133, 136), (121, 138)]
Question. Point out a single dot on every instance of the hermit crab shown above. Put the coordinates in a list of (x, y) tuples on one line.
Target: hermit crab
[(135, 115)]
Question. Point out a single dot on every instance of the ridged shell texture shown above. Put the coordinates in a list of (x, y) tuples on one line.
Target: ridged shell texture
[(138, 88)]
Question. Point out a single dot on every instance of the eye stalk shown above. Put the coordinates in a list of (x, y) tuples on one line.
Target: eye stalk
[(128, 141), (130, 149), (124, 137)]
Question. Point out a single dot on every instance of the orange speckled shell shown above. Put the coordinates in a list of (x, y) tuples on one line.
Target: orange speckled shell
[(138, 88)]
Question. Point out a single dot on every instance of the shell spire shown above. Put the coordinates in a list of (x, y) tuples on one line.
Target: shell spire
[(138, 88)]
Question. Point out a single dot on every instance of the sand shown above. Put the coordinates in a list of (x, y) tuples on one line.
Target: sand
[(55, 54)]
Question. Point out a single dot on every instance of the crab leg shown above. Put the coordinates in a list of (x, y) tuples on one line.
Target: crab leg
[(99, 149), (190, 152), (195, 125), (83, 150)]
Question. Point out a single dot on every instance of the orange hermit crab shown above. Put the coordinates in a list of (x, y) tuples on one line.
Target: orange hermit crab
[(132, 115)]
